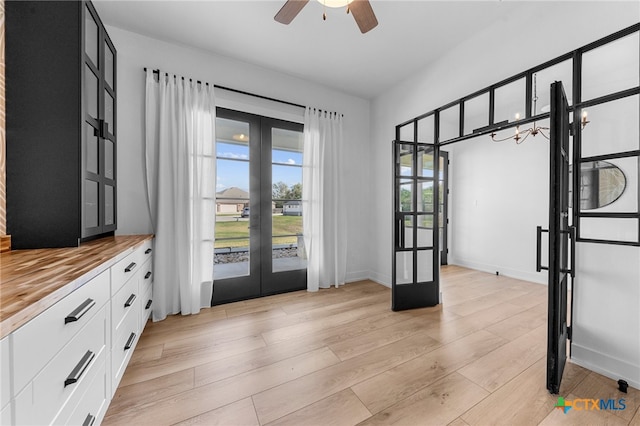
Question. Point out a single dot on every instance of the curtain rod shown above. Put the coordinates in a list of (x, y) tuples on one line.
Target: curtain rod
[(242, 92)]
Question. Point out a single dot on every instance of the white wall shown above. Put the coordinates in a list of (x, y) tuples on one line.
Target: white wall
[(136, 52), (510, 183)]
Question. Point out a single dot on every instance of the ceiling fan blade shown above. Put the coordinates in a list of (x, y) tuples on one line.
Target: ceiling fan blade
[(290, 10), (363, 14)]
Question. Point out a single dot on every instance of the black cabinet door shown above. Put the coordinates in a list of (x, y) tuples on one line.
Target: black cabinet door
[(60, 187)]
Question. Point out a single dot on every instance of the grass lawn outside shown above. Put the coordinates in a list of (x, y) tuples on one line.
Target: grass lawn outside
[(281, 225)]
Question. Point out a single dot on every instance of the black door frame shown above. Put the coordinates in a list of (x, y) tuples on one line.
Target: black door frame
[(261, 281)]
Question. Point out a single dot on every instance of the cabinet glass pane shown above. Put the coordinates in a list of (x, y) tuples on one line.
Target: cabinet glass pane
[(108, 65), (90, 204), (108, 159), (108, 111), (109, 206), (91, 92), (91, 37), (91, 149)]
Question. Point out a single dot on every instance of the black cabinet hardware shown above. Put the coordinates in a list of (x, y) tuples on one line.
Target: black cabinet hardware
[(147, 251), (130, 300), (80, 311), (147, 275), (130, 340), (148, 304), (130, 267), (79, 369), (89, 420)]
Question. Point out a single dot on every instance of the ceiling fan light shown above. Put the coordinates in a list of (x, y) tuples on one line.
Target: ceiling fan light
[(335, 3)]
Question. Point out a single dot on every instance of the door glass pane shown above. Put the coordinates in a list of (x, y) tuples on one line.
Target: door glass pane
[(288, 252), (109, 205), (108, 111), (404, 158), (91, 92), (108, 65), (90, 204), (91, 37), (404, 267), (425, 161), (91, 148), (611, 68), (425, 196), (425, 265), (405, 191), (232, 243), (425, 230), (610, 229), (108, 159)]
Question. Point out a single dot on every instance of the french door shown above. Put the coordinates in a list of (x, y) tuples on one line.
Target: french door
[(259, 248), (416, 253), (561, 236)]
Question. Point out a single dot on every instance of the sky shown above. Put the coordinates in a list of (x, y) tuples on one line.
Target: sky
[(234, 172)]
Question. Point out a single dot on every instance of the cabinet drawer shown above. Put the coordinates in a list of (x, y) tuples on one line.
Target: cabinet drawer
[(123, 346), (125, 269), (66, 376), (124, 304), (53, 328), (5, 373), (91, 405)]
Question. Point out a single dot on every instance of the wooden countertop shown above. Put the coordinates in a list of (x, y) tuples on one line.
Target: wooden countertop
[(33, 280)]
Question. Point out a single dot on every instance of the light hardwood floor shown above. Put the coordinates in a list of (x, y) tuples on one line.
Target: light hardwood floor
[(342, 357)]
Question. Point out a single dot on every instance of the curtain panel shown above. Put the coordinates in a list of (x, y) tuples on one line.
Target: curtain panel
[(180, 172), (323, 200)]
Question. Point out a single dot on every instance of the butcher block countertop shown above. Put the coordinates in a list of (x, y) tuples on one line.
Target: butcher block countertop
[(33, 280)]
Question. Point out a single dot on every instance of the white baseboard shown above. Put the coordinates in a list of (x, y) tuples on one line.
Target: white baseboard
[(354, 276), (531, 276), (380, 278), (606, 365)]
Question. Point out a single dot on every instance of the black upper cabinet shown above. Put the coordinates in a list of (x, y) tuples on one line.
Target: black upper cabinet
[(61, 124)]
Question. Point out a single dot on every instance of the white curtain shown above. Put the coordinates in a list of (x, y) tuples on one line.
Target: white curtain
[(323, 200), (180, 169)]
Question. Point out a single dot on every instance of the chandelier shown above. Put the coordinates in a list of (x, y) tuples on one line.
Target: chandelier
[(521, 135)]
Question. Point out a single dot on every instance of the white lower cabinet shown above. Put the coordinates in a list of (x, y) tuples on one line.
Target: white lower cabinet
[(64, 365)]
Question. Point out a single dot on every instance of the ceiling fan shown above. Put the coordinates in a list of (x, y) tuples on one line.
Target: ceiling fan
[(360, 9)]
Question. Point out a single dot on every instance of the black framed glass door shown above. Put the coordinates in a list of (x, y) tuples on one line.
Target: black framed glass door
[(560, 238), (416, 256), (258, 245)]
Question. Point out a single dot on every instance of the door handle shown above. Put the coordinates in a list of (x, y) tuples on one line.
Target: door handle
[(539, 266)]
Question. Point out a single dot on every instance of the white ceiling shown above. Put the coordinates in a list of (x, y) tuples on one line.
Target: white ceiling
[(410, 35)]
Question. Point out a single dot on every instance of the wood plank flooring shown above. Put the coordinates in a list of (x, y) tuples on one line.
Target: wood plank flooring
[(342, 357)]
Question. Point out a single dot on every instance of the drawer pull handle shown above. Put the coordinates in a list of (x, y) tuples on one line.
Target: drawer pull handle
[(89, 420), (80, 311), (147, 251), (130, 267), (148, 304), (79, 369), (147, 275), (130, 340), (130, 300)]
